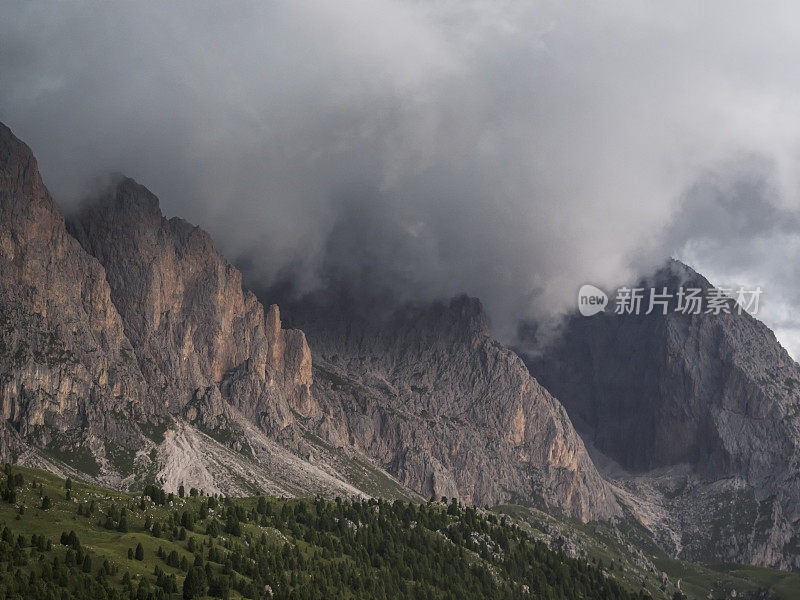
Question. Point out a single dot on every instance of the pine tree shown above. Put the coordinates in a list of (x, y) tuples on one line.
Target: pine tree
[(194, 586)]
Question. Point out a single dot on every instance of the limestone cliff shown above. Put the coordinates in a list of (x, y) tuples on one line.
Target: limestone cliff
[(118, 334), (702, 414), (209, 346), (130, 352), (64, 354), (196, 332), (445, 408)]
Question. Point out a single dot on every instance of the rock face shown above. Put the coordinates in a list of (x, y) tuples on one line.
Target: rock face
[(119, 332), (699, 410), (446, 409), (196, 333), (64, 352)]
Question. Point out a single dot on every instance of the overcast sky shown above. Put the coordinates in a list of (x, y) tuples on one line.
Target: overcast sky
[(510, 150)]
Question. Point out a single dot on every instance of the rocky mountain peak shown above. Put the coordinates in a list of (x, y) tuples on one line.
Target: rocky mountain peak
[(711, 398), (122, 321), (63, 348), (131, 197), (192, 324), (130, 353), (466, 314), (18, 169)]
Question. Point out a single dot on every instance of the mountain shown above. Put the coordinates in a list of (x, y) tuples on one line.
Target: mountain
[(160, 366), (130, 352), (446, 409), (66, 361), (197, 334), (697, 416)]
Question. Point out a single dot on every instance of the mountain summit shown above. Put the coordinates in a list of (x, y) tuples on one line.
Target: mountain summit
[(702, 410)]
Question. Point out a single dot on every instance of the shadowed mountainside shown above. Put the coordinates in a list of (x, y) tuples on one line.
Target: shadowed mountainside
[(700, 410)]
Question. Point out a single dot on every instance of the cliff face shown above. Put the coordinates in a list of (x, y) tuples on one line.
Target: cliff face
[(445, 408), (64, 352), (703, 407), (209, 345), (127, 336), (196, 333), (130, 352)]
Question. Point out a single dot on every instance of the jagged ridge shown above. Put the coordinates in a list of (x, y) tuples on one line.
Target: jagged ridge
[(175, 345)]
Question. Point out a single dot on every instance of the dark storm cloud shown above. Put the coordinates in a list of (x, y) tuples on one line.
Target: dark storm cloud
[(735, 226), (511, 150)]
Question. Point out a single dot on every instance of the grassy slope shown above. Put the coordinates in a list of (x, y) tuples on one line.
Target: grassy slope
[(595, 541), (113, 546), (62, 516), (639, 562)]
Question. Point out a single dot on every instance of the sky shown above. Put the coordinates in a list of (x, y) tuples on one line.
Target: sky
[(510, 150)]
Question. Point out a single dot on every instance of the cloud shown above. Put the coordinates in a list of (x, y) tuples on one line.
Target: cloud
[(510, 150), (734, 226)]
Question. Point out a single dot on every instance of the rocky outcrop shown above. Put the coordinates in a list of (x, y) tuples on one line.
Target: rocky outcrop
[(442, 406), (197, 334), (63, 349), (701, 411), (129, 352), (211, 348)]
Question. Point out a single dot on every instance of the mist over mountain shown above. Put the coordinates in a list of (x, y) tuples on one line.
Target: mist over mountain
[(333, 250), (133, 352), (509, 150)]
